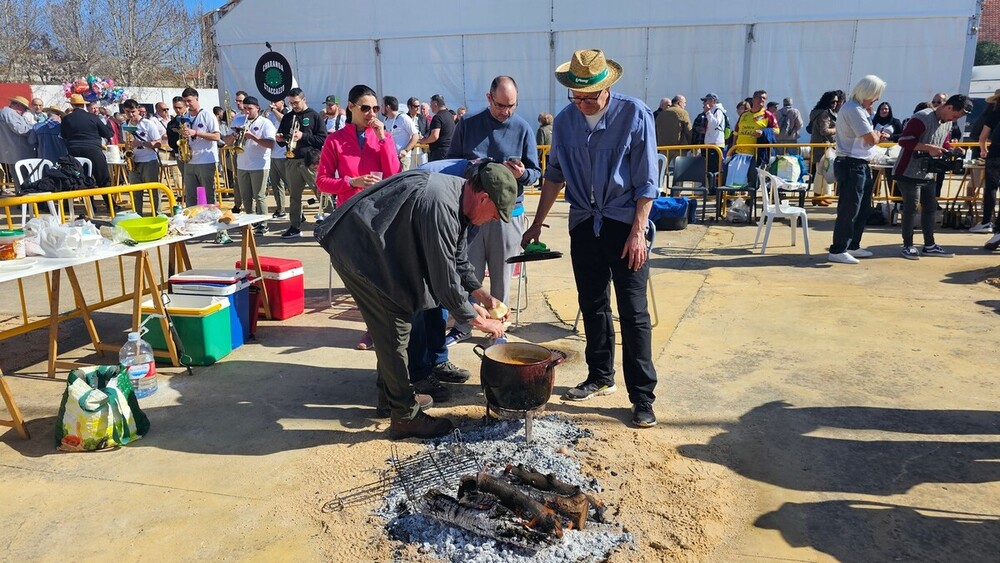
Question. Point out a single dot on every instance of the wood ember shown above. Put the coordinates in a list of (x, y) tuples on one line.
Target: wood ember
[(491, 520), (551, 483), (536, 515)]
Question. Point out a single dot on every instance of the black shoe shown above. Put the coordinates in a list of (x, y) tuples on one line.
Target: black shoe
[(260, 230), (585, 390), (450, 373), (642, 415), (422, 426), (278, 215), (292, 232), (430, 385), (237, 209)]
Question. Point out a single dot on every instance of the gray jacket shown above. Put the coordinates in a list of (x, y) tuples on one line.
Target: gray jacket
[(407, 237), (14, 130)]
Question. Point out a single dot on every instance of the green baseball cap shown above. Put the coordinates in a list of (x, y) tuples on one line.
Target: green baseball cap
[(499, 183)]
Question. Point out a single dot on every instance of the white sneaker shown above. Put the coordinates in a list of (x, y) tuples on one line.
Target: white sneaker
[(983, 227), (861, 253), (842, 258)]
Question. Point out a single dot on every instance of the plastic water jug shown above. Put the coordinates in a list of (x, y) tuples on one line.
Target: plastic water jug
[(136, 357)]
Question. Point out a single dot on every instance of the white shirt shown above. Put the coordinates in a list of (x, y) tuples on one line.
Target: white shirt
[(148, 131), (334, 123), (715, 126), (204, 151), (853, 123), (278, 151), (255, 156), (401, 128)]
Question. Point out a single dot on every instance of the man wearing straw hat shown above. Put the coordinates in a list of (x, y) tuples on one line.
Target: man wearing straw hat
[(604, 152), (14, 128)]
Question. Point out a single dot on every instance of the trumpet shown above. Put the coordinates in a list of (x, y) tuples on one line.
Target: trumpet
[(240, 137), (292, 142)]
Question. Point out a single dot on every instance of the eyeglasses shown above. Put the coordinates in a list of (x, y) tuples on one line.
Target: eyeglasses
[(366, 109), (503, 106), (578, 100), (162, 109), (936, 103)]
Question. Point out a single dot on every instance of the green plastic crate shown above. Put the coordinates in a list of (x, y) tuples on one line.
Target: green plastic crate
[(203, 324)]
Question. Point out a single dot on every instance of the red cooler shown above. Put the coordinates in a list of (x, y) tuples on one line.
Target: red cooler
[(285, 285)]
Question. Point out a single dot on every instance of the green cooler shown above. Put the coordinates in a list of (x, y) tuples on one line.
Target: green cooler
[(202, 323)]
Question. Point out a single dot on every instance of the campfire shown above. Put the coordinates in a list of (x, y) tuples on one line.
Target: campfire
[(490, 495)]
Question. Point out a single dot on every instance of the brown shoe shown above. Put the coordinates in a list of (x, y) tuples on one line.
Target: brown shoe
[(383, 411), (422, 426)]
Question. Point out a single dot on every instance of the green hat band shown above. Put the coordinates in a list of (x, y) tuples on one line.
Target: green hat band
[(582, 81)]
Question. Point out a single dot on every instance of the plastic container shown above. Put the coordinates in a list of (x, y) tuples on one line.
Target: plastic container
[(136, 358), (284, 281), (231, 284), (202, 323), (145, 229), (11, 245)]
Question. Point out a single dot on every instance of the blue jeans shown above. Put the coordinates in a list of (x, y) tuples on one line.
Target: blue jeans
[(426, 348), (854, 203)]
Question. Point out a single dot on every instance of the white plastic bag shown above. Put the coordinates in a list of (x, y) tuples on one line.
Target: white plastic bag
[(738, 211)]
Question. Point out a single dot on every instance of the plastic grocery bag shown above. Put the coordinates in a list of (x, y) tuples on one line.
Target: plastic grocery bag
[(99, 410), (738, 211)]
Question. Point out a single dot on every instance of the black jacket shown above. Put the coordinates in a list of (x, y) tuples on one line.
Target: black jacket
[(313, 129), (83, 129)]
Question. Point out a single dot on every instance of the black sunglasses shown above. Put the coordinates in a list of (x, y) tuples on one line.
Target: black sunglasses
[(366, 109)]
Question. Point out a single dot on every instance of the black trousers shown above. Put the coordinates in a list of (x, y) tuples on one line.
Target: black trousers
[(597, 262)]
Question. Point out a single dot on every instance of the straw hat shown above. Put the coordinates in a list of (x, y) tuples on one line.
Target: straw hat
[(77, 100), (994, 98), (55, 110), (588, 71), (20, 100)]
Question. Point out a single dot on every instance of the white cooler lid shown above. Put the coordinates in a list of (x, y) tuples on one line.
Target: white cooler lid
[(210, 276)]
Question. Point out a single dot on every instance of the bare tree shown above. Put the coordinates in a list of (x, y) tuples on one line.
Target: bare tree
[(20, 38), (78, 35), (143, 35)]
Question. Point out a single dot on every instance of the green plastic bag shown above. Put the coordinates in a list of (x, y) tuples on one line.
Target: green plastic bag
[(99, 410)]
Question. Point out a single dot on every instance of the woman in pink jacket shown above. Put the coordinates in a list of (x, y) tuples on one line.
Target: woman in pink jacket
[(351, 155), (357, 156)]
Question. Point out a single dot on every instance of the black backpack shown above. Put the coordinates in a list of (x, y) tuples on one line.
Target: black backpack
[(67, 174)]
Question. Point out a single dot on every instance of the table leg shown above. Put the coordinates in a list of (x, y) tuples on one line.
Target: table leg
[(16, 419), (53, 323), (81, 304), (250, 246)]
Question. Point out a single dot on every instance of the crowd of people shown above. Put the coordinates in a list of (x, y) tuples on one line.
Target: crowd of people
[(415, 250)]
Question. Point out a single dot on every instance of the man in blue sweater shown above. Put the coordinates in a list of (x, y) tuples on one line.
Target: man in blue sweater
[(497, 133)]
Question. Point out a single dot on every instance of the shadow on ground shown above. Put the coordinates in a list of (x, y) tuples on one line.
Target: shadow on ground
[(784, 445), (869, 531)]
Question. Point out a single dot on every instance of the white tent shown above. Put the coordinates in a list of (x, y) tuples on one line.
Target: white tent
[(456, 47)]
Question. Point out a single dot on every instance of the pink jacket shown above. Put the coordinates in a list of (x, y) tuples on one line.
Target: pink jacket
[(342, 155)]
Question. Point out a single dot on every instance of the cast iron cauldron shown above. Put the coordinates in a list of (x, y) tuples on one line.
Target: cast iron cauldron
[(517, 376)]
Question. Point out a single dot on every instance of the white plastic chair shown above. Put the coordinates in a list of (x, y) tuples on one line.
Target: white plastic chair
[(661, 172), (774, 208), (31, 170), (88, 170)]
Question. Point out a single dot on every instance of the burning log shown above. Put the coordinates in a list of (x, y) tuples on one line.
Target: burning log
[(488, 520), (552, 484), (537, 515)]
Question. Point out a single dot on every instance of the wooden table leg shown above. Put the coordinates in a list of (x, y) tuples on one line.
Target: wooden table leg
[(81, 304), (249, 246), (144, 271), (53, 323), (17, 420)]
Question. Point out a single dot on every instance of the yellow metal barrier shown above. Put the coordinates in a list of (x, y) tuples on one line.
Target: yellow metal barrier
[(107, 296), (15, 202)]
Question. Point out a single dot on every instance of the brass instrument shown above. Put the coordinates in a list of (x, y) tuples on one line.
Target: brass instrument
[(290, 144), (240, 137), (183, 144), (127, 153)]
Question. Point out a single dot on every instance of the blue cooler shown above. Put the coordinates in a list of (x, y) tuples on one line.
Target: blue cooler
[(232, 284)]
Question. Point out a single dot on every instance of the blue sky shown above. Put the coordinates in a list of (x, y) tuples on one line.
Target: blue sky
[(206, 5)]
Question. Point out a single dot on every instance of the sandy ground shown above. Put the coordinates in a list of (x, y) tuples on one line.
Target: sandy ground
[(807, 411)]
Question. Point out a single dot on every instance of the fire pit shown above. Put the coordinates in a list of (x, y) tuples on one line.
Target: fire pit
[(517, 379)]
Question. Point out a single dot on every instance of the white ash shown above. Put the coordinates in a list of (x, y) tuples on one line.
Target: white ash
[(495, 444)]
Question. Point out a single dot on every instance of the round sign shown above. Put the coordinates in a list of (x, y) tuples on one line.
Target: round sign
[(273, 75)]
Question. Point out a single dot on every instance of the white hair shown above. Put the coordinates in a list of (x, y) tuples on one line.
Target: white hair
[(868, 88)]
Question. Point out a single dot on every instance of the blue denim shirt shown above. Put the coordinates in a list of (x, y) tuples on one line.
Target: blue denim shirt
[(608, 169)]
